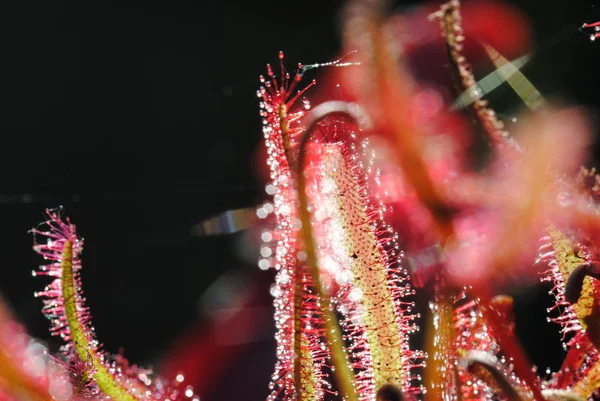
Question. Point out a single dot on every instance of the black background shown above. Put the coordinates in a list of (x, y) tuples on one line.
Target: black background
[(140, 117)]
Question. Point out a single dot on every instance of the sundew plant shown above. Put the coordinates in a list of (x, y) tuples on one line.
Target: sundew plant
[(374, 197)]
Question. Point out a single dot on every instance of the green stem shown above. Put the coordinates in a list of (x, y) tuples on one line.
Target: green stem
[(104, 378), (298, 288)]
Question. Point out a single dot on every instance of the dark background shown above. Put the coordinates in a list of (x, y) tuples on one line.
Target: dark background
[(141, 118)]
